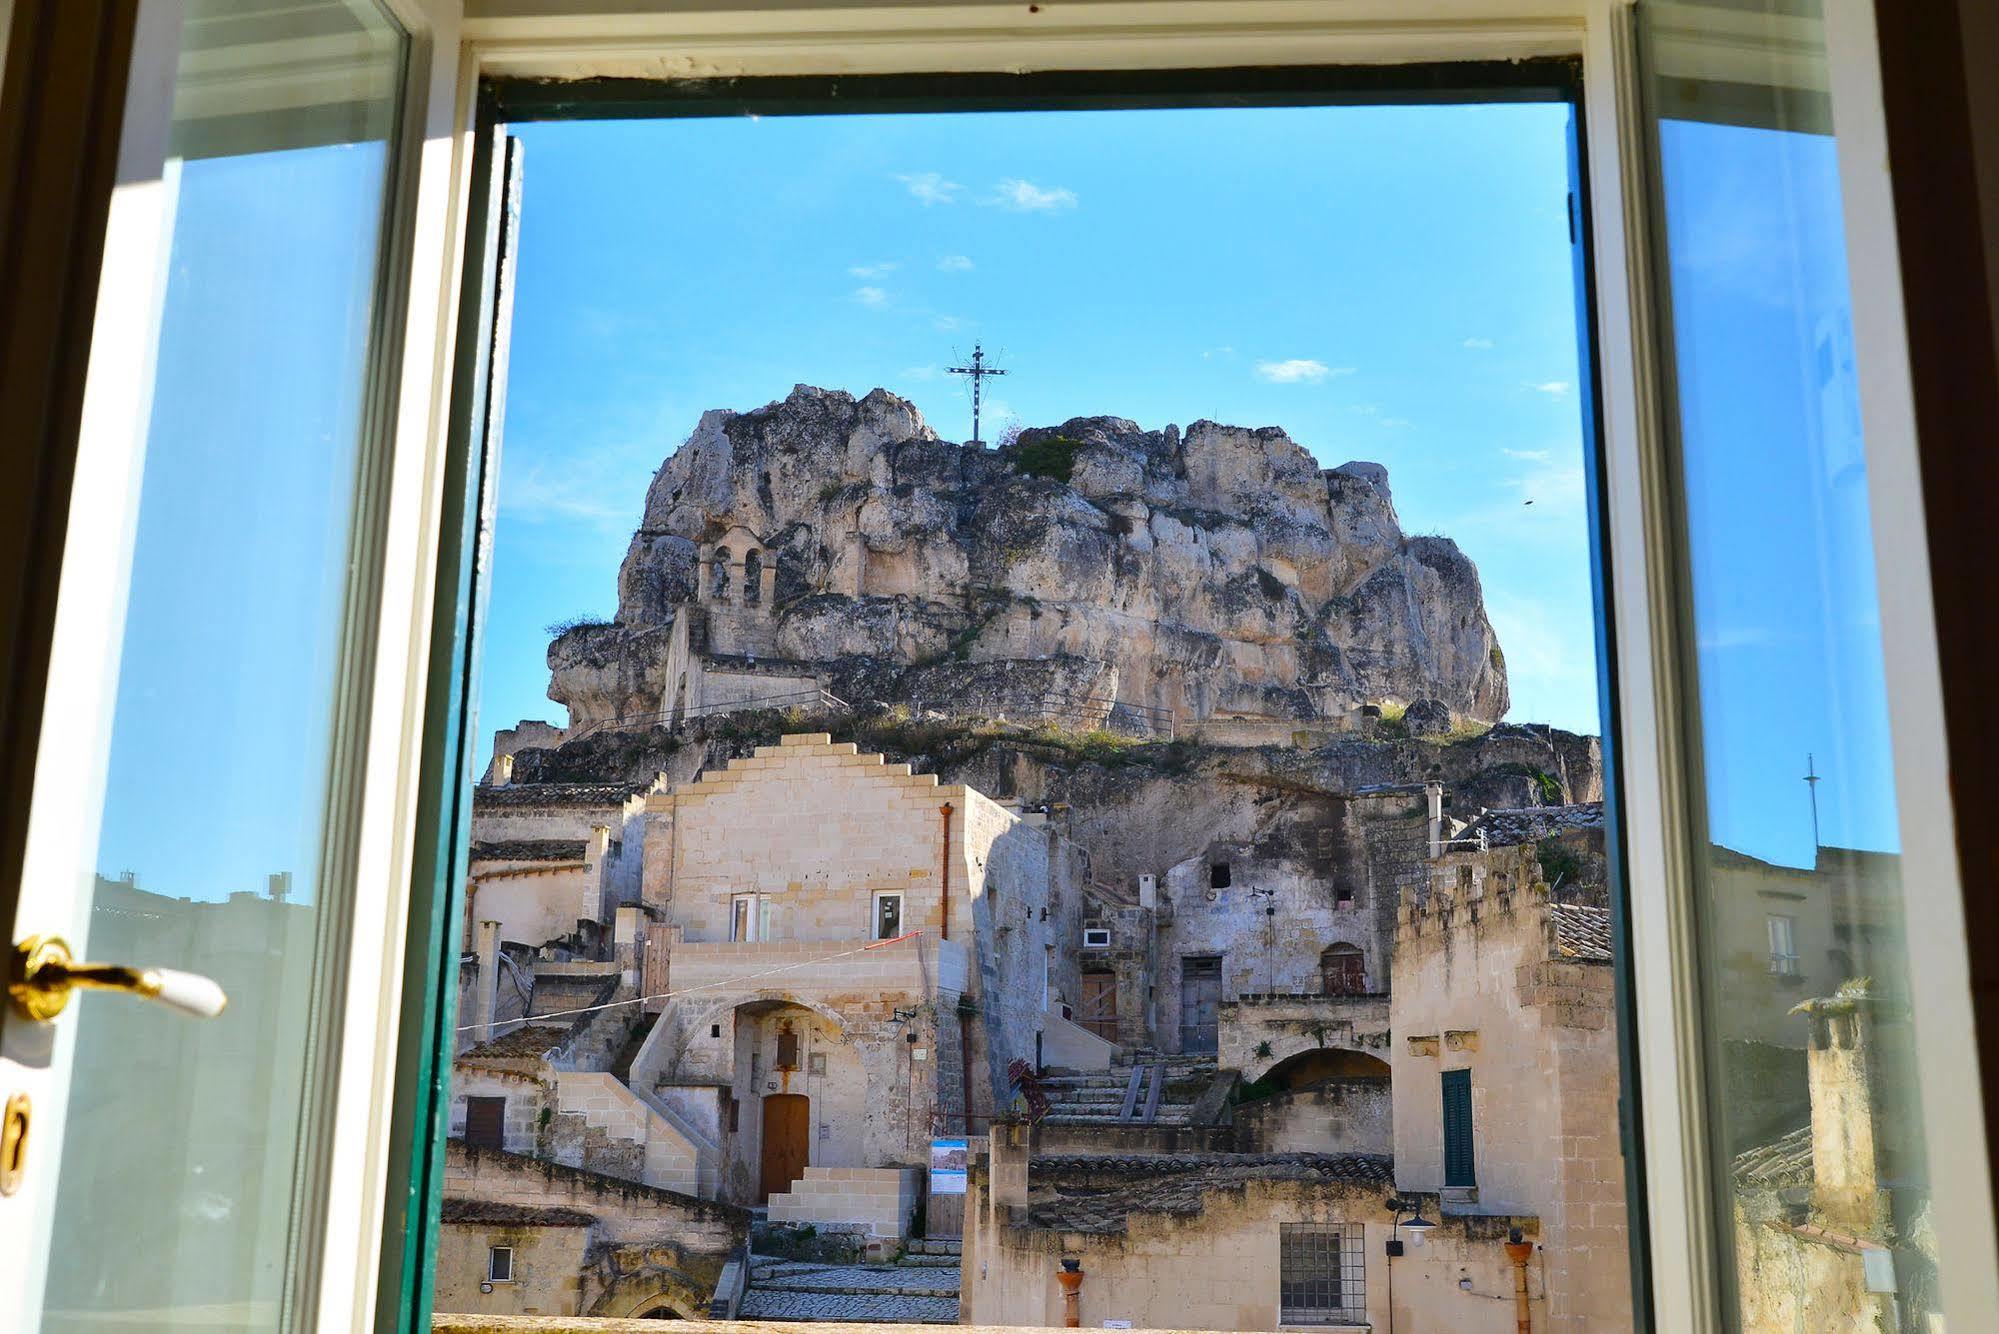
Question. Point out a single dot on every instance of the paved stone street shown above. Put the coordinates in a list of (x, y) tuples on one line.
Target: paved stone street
[(907, 1294)]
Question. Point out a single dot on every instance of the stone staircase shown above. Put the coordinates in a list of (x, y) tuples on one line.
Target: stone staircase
[(1138, 1090), (919, 1289)]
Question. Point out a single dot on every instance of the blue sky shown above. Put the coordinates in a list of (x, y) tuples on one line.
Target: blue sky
[(1389, 284), (1787, 620)]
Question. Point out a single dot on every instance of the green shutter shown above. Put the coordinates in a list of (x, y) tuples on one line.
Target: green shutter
[(1457, 1129)]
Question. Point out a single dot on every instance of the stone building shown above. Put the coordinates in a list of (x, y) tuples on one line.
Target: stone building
[(523, 1236), (1477, 1080), (857, 954), (801, 968), (1505, 1068)]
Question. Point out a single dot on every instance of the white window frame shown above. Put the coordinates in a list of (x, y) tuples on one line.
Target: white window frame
[(493, 1254), (901, 898), (719, 38), (758, 917), (1783, 932)]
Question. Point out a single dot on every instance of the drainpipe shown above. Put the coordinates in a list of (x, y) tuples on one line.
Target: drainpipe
[(944, 873), (1071, 1278), (1518, 1252)]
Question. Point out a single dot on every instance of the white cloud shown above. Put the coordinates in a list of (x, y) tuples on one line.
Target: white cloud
[(946, 323), (1552, 388), (871, 296), (955, 264), (881, 270), (1298, 370), (1478, 344), (931, 187), (1027, 197), (920, 373), (1213, 352), (1528, 455)]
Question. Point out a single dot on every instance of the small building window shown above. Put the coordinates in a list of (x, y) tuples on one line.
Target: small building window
[(1218, 875), (499, 1264), (1322, 1274), (486, 1123), (1783, 930), (787, 1048), (887, 923), (749, 917), (1342, 971), (1458, 1170)]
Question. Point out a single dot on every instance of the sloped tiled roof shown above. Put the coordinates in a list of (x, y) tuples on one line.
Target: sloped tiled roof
[(523, 1043), (530, 850), (1582, 933), (1781, 1162), (494, 1213), (554, 794), (1530, 824), (1099, 1194)]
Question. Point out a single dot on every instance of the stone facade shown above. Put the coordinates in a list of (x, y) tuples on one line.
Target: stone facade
[(1195, 1241)]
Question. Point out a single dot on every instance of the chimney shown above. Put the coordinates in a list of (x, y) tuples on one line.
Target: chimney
[(1434, 794), (1839, 1060), (503, 770), (281, 886), (1011, 1144), (485, 995), (1148, 891)]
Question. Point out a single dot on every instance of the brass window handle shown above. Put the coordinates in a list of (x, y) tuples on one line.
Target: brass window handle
[(44, 973)]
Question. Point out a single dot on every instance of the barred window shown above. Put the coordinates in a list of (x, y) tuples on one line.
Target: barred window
[(1322, 1274)]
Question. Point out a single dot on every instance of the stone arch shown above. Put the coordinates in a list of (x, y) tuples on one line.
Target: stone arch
[(761, 1002), (1322, 1065), (753, 577), (634, 1296)]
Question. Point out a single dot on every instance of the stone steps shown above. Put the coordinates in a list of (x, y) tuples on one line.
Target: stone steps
[(936, 1246)]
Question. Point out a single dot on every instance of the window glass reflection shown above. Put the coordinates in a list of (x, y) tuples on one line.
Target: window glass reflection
[(1812, 1076)]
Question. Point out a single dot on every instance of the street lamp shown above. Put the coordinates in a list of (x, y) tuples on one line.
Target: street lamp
[(1417, 1225)]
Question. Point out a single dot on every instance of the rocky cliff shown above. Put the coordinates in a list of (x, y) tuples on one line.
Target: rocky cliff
[(1218, 572)]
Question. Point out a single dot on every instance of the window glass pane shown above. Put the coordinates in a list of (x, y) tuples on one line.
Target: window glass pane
[(1812, 1076), (186, 1194)]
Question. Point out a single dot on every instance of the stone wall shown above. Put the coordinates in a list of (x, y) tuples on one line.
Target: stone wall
[(1344, 1116), (876, 1200), (1259, 1033), (527, 1100), (550, 1263)]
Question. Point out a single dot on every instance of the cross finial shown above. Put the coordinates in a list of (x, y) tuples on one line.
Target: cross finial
[(978, 370)]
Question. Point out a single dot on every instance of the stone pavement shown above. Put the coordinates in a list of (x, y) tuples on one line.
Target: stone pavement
[(922, 1293)]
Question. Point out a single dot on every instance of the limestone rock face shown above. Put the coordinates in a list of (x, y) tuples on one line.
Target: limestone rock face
[(1219, 572)]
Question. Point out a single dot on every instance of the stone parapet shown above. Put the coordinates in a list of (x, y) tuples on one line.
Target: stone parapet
[(1257, 1032)]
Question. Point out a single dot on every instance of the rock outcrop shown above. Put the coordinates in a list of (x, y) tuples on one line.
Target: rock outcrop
[(1218, 572)]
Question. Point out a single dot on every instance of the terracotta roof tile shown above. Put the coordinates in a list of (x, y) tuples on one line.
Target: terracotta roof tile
[(1582, 933), (492, 1212)]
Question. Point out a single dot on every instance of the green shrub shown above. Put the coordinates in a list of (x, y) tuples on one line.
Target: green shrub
[(1051, 456)]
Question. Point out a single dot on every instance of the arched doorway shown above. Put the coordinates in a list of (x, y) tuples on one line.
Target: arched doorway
[(1324, 1065), (787, 1142), (662, 1313)]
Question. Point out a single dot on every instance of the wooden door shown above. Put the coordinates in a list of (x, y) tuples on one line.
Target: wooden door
[(1099, 1011), (1200, 1003), (787, 1141), (486, 1123)]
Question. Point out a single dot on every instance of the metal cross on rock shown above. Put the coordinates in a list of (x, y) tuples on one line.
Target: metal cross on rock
[(978, 370)]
